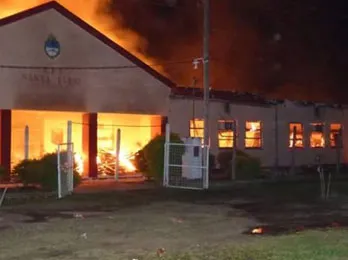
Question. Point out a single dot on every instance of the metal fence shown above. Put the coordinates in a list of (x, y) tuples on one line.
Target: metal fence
[(65, 167), (186, 163)]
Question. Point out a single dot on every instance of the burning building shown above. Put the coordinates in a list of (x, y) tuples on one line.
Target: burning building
[(55, 67)]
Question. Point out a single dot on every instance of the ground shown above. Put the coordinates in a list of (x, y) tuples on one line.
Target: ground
[(179, 224)]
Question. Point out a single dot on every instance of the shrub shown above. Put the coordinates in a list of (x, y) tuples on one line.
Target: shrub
[(150, 160), (3, 173), (140, 161), (247, 167), (42, 172), (212, 159)]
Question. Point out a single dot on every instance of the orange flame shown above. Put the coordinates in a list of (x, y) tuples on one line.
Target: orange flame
[(257, 231), (95, 14)]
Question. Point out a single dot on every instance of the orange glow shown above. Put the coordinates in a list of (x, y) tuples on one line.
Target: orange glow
[(94, 12), (79, 163), (317, 137), (335, 135), (136, 132), (225, 136), (197, 128), (48, 129), (257, 231), (297, 137), (253, 134)]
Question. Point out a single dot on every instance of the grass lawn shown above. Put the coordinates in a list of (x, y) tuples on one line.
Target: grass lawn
[(138, 224), (310, 245)]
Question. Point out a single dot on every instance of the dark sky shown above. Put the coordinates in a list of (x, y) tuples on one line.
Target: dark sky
[(285, 48)]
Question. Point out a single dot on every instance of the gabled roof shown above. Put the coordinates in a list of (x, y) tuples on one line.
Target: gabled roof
[(79, 22)]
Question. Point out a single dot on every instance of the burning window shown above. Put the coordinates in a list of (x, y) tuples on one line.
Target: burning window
[(296, 135), (225, 133), (335, 135), (253, 135), (197, 128), (135, 132), (317, 136), (47, 129)]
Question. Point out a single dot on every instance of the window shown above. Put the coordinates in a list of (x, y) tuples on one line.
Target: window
[(253, 134), (225, 133), (197, 128), (317, 137), (296, 135), (335, 135)]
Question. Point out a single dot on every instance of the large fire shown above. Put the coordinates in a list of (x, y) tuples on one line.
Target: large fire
[(94, 12), (49, 129)]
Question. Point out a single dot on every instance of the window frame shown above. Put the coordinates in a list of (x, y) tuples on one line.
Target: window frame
[(220, 137), (330, 139), (303, 136), (247, 138), (196, 128), (311, 132)]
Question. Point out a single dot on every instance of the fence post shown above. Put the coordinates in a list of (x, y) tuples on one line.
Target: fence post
[(59, 174), (166, 156), (118, 147), (70, 159), (26, 142)]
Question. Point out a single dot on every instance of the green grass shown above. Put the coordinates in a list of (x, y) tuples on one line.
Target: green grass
[(311, 245), (134, 224)]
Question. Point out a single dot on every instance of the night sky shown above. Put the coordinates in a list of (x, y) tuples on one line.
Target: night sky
[(296, 49)]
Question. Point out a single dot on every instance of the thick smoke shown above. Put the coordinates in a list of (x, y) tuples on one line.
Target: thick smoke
[(284, 48)]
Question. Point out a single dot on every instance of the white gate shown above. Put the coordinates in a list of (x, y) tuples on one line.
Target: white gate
[(186, 164), (65, 167)]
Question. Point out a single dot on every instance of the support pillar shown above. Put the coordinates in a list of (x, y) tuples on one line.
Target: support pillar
[(5, 139), (90, 144)]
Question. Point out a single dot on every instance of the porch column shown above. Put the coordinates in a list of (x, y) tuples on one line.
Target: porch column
[(90, 144), (164, 121), (5, 139)]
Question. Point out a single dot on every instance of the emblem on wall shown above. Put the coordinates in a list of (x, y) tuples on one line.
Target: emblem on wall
[(52, 47)]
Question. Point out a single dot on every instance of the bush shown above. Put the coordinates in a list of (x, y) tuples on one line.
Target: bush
[(3, 173), (42, 172), (150, 160), (247, 167), (212, 164)]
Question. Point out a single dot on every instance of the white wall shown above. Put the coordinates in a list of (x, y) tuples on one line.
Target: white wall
[(121, 90), (180, 113), (306, 115)]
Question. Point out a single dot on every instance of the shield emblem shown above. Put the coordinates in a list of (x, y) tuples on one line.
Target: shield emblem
[(52, 47)]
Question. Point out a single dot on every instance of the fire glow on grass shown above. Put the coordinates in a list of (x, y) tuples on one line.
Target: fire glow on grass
[(258, 230), (95, 13)]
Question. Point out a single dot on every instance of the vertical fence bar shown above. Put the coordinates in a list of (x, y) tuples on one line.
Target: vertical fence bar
[(71, 169), (59, 174), (70, 160), (166, 156), (26, 142), (118, 147)]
